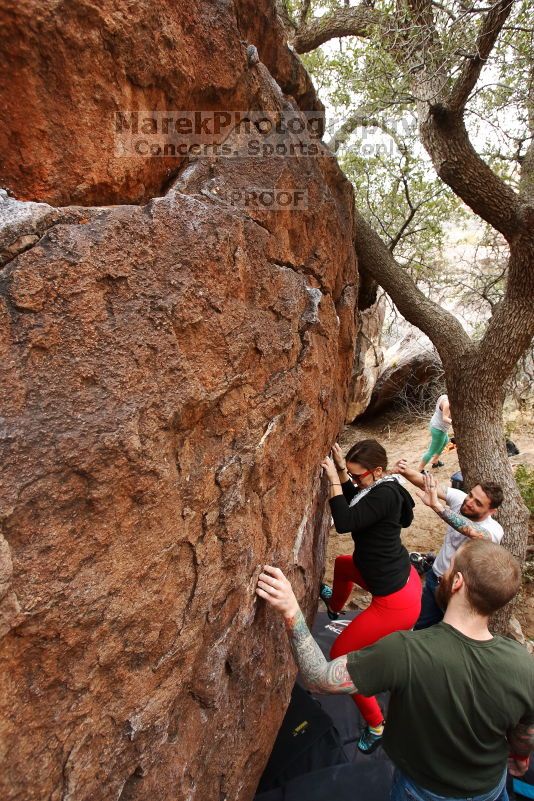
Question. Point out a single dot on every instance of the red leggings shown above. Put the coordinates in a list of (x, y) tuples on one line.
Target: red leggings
[(386, 613)]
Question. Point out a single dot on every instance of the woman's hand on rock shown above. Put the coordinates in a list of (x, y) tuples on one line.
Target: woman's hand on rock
[(339, 459), (330, 469)]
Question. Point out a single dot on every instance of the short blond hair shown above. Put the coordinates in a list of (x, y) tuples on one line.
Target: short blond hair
[(492, 575)]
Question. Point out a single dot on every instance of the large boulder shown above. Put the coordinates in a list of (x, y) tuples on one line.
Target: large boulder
[(411, 375), (69, 67), (173, 373)]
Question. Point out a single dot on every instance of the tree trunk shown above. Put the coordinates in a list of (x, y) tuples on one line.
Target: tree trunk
[(478, 429), (476, 408)]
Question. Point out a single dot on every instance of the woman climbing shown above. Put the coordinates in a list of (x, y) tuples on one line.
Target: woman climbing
[(439, 427), (374, 507)]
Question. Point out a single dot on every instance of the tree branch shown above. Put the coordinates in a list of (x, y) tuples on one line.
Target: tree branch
[(348, 21), (488, 34), (455, 160), (445, 10), (526, 181), (511, 327), (423, 16), (485, 291), (398, 236), (288, 23), (442, 128), (359, 118), (304, 11), (442, 328)]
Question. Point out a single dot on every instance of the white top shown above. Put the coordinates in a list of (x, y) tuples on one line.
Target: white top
[(437, 420), (453, 538), (363, 492)]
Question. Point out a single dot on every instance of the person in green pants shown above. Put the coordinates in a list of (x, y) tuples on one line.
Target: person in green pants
[(439, 428)]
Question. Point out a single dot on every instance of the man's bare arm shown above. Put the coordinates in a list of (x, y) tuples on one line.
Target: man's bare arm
[(318, 674), (415, 477)]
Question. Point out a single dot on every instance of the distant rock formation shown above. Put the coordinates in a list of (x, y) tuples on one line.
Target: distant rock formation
[(172, 375), (410, 368), (369, 358)]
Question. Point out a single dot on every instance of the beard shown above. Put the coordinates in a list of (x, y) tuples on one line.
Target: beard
[(475, 516), (444, 590)]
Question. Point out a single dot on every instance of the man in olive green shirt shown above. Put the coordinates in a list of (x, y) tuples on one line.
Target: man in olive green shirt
[(462, 700)]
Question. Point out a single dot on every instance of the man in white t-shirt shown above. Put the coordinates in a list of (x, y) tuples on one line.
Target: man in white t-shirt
[(468, 515)]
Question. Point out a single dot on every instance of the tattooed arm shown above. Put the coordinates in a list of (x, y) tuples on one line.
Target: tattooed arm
[(318, 674), (466, 526), (521, 740)]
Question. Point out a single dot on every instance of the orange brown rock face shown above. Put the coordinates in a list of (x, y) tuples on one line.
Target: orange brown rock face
[(173, 373), (68, 67)]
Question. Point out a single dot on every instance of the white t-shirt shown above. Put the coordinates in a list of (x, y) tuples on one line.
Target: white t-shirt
[(437, 420), (453, 538)]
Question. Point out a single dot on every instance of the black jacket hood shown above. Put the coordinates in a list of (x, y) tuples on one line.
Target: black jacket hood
[(408, 503)]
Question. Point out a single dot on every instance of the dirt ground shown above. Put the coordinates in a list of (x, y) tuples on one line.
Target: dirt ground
[(408, 439)]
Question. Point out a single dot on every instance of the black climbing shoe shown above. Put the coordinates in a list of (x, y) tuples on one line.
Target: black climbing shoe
[(422, 561), (438, 464), (417, 559)]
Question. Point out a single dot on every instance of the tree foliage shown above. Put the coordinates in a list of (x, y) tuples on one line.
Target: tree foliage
[(370, 102)]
